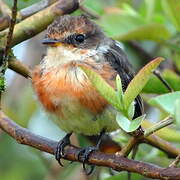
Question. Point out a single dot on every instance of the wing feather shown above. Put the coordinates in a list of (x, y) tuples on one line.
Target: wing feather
[(119, 61)]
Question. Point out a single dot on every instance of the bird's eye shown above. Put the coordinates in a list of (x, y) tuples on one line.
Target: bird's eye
[(80, 38)]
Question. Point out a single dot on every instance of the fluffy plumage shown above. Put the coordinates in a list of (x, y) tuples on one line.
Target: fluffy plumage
[(63, 88)]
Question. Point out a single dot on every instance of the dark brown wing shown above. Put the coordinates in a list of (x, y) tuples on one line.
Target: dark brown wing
[(118, 60)]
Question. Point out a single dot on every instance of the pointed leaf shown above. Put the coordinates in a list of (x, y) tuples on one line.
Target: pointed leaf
[(126, 124), (135, 123), (177, 111), (139, 81), (131, 110), (123, 122), (166, 102), (119, 89), (102, 87)]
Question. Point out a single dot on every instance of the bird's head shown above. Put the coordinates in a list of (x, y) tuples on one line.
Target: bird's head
[(73, 38), (75, 32)]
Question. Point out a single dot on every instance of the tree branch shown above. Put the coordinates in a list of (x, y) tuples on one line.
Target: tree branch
[(166, 122), (19, 67), (23, 136), (23, 13), (38, 22), (161, 144)]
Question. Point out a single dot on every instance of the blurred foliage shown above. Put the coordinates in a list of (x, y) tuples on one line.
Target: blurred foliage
[(155, 25)]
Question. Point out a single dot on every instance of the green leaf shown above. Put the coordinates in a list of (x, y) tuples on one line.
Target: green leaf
[(119, 89), (126, 124), (135, 123), (102, 87), (131, 110), (177, 111), (154, 85), (119, 24), (166, 102), (139, 81), (154, 31), (150, 6), (172, 9)]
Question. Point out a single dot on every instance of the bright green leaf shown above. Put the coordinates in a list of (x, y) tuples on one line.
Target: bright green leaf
[(166, 101), (126, 124), (103, 87), (139, 81), (135, 123), (119, 89), (154, 85), (123, 122), (131, 110), (177, 111)]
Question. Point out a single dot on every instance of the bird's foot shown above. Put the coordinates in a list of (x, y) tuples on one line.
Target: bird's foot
[(84, 154), (60, 148)]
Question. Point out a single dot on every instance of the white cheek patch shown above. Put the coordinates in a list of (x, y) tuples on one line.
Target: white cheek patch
[(62, 55)]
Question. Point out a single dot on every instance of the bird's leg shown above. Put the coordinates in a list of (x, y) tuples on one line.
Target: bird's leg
[(60, 147), (85, 153)]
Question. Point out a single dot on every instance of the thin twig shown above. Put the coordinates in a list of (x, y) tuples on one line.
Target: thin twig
[(175, 162), (166, 84), (4, 60), (128, 147), (161, 144), (11, 30), (134, 152), (166, 122), (117, 163)]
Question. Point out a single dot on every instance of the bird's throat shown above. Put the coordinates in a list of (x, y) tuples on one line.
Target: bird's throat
[(62, 55)]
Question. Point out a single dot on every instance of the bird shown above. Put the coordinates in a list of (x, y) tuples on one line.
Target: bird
[(64, 89)]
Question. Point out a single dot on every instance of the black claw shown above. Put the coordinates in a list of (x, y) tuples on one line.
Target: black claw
[(84, 156), (60, 148)]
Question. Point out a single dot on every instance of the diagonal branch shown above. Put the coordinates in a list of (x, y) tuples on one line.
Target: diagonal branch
[(38, 22), (23, 136), (118, 163), (19, 67), (23, 13)]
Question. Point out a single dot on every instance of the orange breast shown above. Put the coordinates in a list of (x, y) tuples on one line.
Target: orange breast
[(54, 84)]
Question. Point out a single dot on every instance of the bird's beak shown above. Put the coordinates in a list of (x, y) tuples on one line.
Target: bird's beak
[(51, 42)]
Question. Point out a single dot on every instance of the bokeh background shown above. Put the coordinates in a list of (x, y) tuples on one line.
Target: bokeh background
[(146, 29)]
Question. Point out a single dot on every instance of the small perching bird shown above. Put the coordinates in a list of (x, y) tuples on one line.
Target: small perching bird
[(64, 89)]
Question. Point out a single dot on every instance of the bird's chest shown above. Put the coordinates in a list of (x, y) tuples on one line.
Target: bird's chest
[(68, 94), (67, 88)]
